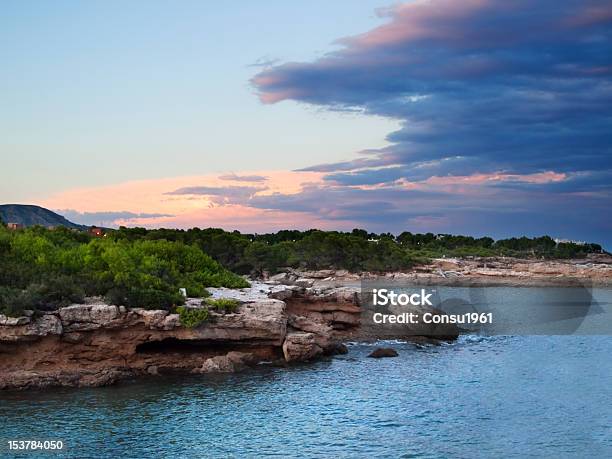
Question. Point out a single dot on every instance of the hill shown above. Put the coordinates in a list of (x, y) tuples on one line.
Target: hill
[(28, 215)]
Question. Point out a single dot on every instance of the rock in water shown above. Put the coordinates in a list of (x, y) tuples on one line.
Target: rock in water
[(300, 346), (381, 352), (340, 349)]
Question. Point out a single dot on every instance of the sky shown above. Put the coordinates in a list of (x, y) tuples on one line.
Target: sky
[(480, 117)]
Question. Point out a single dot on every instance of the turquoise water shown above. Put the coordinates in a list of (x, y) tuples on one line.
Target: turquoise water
[(480, 397)]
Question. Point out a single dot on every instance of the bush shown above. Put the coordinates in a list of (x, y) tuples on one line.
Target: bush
[(144, 298), (223, 304), (192, 317), (48, 295), (43, 269), (13, 302), (46, 269)]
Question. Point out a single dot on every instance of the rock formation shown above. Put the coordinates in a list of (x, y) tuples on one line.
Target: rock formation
[(287, 319), (381, 352)]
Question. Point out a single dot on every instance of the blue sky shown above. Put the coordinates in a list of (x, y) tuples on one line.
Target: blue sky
[(478, 117), (102, 92)]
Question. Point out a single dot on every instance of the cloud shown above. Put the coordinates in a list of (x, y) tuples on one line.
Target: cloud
[(108, 218), (506, 129), (185, 202), (496, 204), (220, 195), (243, 178), (505, 109), (521, 86)]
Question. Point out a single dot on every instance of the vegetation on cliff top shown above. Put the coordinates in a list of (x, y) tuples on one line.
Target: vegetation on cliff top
[(355, 251), (44, 269), (222, 304), (192, 317)]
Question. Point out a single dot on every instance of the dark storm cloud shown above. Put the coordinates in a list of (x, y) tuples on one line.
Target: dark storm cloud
[(480, 87), (353, 204), (518, 86)]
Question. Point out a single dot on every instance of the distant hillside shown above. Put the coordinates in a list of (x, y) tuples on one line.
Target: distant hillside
[(27, 215)]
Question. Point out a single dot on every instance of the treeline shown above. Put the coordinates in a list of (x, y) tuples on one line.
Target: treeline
[(43, 269), (357, 250)]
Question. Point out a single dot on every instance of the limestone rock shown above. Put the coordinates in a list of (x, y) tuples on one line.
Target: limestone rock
[(321, 274), (283, 278), (233, 361), (88, 316), (13, 321), (300, 346), (45, 325), (304, 282), (153, 318), (170, 322), (263, 321), (323, 332)]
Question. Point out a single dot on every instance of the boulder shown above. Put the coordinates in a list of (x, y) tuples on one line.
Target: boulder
[(283, 278), (283, 292), (170, 322), (300, 346), (381, 352), (323, 332), (46, 325), (233, 361), (340, 349), (304, 282)]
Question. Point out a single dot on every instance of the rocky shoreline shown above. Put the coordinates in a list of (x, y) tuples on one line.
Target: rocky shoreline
[(96, 344), (594, 271), (295, 316)]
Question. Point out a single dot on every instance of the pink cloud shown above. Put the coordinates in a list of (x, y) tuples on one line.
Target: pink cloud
[(439, 20), (189, 210)]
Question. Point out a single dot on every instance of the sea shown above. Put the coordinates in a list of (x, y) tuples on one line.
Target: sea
[(481, 396)]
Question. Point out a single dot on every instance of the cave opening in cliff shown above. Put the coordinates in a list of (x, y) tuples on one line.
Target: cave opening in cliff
[(175, 345)]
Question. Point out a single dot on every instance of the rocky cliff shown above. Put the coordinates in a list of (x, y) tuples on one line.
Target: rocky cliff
[(291, 317), (96, 344), (287, 319)]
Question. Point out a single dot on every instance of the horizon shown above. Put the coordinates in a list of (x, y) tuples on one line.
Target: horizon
[(395, 235), (416, 116)]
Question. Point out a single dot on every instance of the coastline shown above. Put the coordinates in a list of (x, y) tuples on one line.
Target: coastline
[(594, 271), (287, 318)]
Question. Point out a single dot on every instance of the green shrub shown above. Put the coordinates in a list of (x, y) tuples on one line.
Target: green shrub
[(12, 302), (55, 292), (192, 317), (46, 269), (48, 295), (223, 304)]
